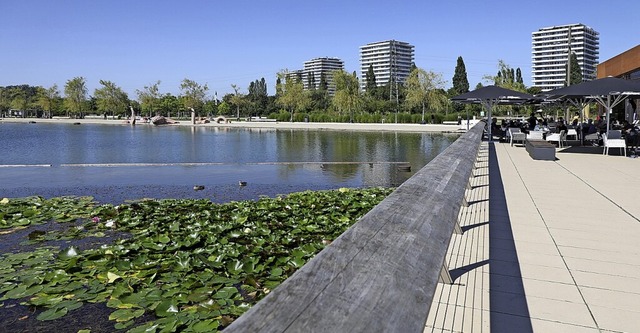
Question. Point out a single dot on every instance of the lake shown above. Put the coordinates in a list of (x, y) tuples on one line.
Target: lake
[(115, 163)]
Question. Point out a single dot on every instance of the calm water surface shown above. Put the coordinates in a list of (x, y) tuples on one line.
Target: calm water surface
[(115, 163)]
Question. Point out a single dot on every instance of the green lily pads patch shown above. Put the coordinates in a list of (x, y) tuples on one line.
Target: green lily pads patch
[(184, 265)]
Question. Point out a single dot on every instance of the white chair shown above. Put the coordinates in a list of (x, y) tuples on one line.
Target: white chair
[(516, 135), (613, 143), (561, 138), (535, 135), (572, 133)]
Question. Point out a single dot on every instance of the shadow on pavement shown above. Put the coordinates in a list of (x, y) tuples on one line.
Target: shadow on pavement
[(508, 305)]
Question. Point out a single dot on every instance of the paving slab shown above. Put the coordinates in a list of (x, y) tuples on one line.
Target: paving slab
[(561, 242)]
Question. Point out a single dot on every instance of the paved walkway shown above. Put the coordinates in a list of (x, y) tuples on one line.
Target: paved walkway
[(555, 249)]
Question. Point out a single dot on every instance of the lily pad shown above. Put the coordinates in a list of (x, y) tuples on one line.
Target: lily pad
[(52, 314)]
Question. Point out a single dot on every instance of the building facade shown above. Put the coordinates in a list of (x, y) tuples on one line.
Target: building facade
[(391, 61), (314, 69), (625, 65), (551, 49)]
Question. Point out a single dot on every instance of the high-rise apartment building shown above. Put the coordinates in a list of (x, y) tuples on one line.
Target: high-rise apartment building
[(314, 69), (391, 61), (551, 49)]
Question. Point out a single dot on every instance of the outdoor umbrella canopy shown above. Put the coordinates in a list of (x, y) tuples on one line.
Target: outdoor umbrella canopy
[(493, 95), (601, 91)]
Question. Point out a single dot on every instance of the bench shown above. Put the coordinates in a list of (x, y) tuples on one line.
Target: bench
[(541, 150)]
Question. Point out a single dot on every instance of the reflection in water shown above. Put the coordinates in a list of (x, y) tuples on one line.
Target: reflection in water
[(300, 159)]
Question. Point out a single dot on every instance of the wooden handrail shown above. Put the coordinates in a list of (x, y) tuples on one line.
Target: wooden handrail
[(381, 274)]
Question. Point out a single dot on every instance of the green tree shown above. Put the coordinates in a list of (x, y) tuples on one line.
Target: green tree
[(575, 72), (224, 108), (75, 91), (48, 98), (111, 98), (237, 99), (347, 96), (20, 102), (150, 97), (169, 103), (291, 94), (210, 107), (505, 78), (323, 85), (519, 76), (193, 94), (258, 96), (5, 99), (460, 81), (370, 82), (425, 88)]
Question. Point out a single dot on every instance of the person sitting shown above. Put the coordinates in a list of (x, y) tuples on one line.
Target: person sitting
[(540, 126), (560, 126), (497, 130), (576, 119)]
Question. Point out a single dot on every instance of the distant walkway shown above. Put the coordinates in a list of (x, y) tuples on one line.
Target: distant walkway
[(263, 124), (563, 246)]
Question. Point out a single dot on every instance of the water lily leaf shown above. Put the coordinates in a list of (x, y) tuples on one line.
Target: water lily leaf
[(29, 212), (208, 325), (234, 267), (69, 305), (154, 295), (164, 239), (121, 326), (149, 327), (226, 293), (166, 308), (52, 314), (276, 271), (123, 265), (111, 277), (68, 253), (123, 315), (33, 290), (17, 292), (22, 221), (297, 262)]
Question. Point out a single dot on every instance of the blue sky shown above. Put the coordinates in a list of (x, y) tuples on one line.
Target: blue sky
[(137, 42)]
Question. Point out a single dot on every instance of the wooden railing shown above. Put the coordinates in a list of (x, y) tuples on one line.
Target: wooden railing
[(381, 274)]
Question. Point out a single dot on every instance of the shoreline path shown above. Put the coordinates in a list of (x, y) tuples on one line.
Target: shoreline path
[(437, 128)]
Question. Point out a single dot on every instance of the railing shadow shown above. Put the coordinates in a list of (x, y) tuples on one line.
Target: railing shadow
[(509, 309)]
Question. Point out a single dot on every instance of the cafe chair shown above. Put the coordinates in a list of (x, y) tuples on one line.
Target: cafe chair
[(535, 135), (613, 143), (560, 138), (516, 135)]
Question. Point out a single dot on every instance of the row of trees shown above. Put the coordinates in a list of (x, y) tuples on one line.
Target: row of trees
[(422, 93)]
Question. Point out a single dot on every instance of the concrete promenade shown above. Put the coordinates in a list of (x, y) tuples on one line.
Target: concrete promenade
[(434, 128), (548, 246)]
